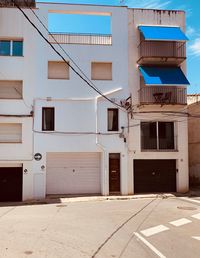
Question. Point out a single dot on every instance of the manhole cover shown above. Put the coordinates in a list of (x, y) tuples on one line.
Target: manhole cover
[(61, 205), (186, 208)]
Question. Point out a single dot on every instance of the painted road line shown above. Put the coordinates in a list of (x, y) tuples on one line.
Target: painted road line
[(189, 200), (196, 237), (154, 230), (149, 245), (180, 222), (196, 216)]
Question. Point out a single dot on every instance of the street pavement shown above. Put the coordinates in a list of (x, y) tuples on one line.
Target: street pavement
[(158, 226)]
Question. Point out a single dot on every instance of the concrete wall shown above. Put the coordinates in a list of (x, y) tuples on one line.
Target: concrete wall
[(78, 108), (138, 17)]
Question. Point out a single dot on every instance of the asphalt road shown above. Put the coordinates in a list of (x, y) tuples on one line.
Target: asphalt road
[(158, 227)]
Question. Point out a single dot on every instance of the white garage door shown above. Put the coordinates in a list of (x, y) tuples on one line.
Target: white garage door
[(73, 173)]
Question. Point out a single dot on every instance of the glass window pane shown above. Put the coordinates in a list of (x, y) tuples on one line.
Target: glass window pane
[(148, 135), (166, 135), (4, 47), (48, 119), (113, 120), (17, 48)]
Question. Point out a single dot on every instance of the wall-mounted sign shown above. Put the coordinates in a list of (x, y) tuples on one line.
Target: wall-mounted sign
[(38, 156)]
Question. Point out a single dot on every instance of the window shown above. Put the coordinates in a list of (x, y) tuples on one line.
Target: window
[(101, 71), (11, 47), (113, 119), (10, 89), (17, 48), (58, 70), (157, 135), (10, 133), (48, 115)]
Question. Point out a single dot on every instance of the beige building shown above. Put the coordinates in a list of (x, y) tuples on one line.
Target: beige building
[(194, 138)]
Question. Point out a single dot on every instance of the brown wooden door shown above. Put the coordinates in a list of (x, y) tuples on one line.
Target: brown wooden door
[(114, 172)]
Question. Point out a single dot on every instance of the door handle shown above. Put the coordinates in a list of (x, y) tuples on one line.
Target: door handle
[(113, 171), (153, 173)]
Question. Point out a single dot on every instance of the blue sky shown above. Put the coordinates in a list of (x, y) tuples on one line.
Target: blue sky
[(191, 7)]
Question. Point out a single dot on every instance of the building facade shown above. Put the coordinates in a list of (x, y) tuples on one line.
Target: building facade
[(62, 136)]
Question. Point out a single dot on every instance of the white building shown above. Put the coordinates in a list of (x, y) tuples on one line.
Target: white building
[(77, 142)]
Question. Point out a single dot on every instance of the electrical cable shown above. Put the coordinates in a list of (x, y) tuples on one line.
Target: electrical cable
[(58, 53)]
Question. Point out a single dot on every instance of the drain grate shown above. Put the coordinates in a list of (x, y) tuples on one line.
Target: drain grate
[(187, 208)]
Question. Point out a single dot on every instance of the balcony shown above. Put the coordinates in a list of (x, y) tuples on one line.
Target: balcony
[(83, 39), (163, 95), (162, 52)]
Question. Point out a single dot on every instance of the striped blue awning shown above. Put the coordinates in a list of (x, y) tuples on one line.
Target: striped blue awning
[(168, 76), (162, 33)]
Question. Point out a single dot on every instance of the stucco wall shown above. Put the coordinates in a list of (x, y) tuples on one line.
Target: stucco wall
[(194, 143)]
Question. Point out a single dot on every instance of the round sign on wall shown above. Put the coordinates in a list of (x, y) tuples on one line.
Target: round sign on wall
[(38, 156)]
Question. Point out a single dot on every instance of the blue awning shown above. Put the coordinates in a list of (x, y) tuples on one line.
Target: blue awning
[(162, 33), (169, 76)]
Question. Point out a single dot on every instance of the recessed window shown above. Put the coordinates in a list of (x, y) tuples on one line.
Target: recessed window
[(11, 89), (11, 47), (157, 135), (48, 118), (101, 71), (58, 70), (17, 48), (113, 119), (10, 133)]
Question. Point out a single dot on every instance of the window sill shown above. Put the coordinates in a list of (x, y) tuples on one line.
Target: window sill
[(167, 150), (101, 79), (60, 79), (9, 56)]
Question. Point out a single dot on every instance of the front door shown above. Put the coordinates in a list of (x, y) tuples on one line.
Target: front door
[(114, 172)]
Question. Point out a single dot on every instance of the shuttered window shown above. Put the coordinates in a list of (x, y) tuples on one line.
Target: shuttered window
[(101, 71), (10, 89), (10, 133), (58, 70)]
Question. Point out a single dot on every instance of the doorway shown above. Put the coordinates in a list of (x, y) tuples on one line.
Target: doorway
[(114, 173)]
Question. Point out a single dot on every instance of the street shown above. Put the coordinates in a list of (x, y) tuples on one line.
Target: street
[(148, 227)]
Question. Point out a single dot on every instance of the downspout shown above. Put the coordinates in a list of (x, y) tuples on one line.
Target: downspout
[(104, 163)]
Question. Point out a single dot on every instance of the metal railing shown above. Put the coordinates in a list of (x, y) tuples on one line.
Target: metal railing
[(84, 39), (162, 49), (164, 95)]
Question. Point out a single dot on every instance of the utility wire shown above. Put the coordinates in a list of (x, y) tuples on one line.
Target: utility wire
[(57, 52)]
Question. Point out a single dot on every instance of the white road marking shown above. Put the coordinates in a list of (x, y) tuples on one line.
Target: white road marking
[(196, 216), (154, 230), (180, 222), (196, 237), (189, 199), (149, 245)]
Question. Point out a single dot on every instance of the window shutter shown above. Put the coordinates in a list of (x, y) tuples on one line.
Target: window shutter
[(10, 133)]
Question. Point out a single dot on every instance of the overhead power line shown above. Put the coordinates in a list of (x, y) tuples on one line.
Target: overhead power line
[(57, 52)]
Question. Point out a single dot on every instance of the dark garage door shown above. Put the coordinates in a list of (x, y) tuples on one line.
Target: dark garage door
[(154, 176), (10, 184)]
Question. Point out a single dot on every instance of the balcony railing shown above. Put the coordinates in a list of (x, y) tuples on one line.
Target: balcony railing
[(163, 95), (84, 39), (161, 52)]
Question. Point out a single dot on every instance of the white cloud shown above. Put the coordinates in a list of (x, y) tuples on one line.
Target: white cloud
[(150, 4), (194, 48), (190, 31)]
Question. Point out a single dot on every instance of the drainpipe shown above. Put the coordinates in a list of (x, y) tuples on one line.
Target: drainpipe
[(104, 163)]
